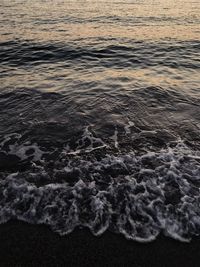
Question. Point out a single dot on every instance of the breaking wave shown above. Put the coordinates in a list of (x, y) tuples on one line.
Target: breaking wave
[(90, 185)]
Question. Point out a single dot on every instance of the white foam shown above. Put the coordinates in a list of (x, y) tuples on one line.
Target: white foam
[(127, 128), (115, 138), (20, 150), (83, 147), (136, 195)]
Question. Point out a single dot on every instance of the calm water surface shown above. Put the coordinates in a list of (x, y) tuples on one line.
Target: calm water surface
[(100, 116)]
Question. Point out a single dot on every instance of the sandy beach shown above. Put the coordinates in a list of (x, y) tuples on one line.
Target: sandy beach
[(26, 245)]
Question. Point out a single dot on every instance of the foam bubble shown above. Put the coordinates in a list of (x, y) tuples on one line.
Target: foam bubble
[(138, 195)]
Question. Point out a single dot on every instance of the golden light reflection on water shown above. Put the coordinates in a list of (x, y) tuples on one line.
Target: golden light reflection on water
[(91, 19), (100, 23)]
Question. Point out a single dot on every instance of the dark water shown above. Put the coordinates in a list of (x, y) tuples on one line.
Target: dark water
[(100, 116)]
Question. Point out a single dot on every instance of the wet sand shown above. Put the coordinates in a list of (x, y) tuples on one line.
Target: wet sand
[(30, 245)]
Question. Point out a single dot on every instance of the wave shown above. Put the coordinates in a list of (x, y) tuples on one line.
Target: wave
[(92, 184), (135, 54)]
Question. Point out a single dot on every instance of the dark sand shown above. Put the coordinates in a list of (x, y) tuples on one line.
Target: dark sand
[(29, 245)]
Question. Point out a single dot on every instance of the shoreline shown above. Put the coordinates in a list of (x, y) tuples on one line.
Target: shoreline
[(27, 245)]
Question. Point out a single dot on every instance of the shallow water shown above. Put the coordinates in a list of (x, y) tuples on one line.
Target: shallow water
[(100, 116)]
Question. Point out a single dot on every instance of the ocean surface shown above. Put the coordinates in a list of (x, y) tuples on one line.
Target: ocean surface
[(100, 116)]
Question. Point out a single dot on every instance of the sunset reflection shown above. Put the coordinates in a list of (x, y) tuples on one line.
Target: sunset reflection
[(74, 20)]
